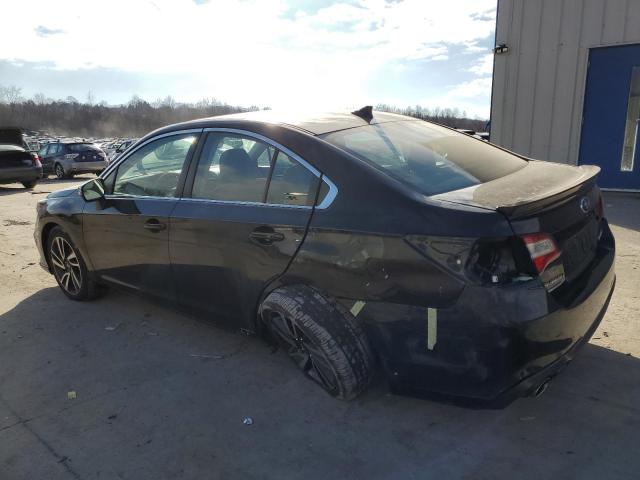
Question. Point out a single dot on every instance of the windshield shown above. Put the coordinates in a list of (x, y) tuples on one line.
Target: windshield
[(430, 158)]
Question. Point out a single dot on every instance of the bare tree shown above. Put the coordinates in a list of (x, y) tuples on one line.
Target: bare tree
[(10, 94)]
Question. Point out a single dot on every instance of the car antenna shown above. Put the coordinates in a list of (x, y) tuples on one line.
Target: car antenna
[(365, 113)]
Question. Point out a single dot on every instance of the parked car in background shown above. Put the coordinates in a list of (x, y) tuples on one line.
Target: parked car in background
[(122, 147), (17, 163), (64, 160), (468, 271)]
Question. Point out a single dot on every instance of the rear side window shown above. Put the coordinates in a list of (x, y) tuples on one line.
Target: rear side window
[(429, 158), (291, 183), (233, 168)]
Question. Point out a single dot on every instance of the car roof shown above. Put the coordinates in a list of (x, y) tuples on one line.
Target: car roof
[(311, 123)]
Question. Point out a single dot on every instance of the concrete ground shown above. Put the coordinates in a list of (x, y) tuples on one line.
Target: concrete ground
[(149, 406)]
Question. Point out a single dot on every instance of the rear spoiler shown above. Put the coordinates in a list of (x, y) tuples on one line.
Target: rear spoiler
[(545, 202), (535, 188)]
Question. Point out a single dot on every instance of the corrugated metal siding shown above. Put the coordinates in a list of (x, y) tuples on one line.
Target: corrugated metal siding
[(538, 87)]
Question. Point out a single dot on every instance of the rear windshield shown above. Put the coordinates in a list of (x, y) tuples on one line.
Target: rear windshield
[(81, 147), (429, 158)]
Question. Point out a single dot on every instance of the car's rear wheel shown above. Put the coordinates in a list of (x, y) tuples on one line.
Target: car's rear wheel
[(69, 268), (59, 169), (30, 184), (323, 339)]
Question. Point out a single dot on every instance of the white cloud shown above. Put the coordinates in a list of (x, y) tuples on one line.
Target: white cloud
[(248, 51), (471, 96), (484, 66)]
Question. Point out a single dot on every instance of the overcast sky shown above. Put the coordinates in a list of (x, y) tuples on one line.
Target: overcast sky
[(277, 53)]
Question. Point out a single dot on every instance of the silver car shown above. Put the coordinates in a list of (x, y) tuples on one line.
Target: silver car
[(65, 160)]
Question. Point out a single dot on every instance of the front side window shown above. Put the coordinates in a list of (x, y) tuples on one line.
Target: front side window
[(429, 158), (233, 168), (154, 170)]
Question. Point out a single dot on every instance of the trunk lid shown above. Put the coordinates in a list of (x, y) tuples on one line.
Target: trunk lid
[(12, 156), (532, 189), (11, 136), (543, 197)]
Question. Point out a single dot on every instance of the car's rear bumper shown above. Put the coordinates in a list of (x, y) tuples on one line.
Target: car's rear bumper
[(495, 343), (20, 174), (87, 167)]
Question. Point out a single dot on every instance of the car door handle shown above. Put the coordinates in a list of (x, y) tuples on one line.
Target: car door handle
[(266, 236), (154, 225)]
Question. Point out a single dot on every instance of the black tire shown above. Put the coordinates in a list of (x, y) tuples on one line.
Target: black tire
[(59, 172), (30, 184), (87, 289), (324, 339)]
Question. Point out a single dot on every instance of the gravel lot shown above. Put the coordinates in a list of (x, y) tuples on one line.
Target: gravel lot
[(150, 404)]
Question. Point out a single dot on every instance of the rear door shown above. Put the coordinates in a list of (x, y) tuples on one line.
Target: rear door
[(126, 235), (45, 159), (611, 128), (243, 219)]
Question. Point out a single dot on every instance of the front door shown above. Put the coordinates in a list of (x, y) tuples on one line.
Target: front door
[(126, 235), (610, 132), (247, 214)]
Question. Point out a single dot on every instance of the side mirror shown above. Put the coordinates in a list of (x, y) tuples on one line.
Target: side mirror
[(93, 190)]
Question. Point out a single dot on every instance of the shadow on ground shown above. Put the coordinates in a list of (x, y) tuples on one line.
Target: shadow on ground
[(163, 395), (623, 209), (44, 186)]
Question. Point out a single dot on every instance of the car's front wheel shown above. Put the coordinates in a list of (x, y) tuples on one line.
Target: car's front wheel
[(69, 268), (321, 337), (29, 185)]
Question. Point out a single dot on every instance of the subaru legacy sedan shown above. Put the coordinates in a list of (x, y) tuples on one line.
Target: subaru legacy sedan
[(356, 242)]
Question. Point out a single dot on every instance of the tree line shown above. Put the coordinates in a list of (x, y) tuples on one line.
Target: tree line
[(451, 117), (87, 118), (73, 117)]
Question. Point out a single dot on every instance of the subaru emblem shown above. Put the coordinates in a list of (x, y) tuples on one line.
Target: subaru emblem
[(585, 204)]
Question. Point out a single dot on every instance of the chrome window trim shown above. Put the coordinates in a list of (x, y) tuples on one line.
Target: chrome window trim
[(326, 202), (139, 197), (134, 148), (250, 204), (330, 196)]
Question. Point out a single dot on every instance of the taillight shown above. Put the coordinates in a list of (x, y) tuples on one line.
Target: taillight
[(482, 261), (543, 250), (35, 158)]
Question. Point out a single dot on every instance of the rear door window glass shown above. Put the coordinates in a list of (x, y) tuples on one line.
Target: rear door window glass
[(291, 183), (429, 158), (233, 168)]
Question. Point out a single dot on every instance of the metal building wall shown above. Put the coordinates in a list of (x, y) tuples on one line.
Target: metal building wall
[(538, 86)]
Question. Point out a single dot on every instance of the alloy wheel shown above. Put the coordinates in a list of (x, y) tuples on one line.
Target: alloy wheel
[(59, 171), (66, 265), (304, 353)]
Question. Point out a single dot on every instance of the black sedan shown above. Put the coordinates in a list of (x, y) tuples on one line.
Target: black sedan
[(351, 240), (17, 163)]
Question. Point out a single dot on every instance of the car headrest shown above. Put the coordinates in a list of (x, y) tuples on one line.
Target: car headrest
[(237, 164)]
